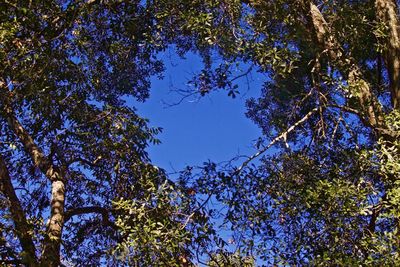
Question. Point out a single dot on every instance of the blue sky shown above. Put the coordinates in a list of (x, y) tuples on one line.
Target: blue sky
[(211, 128)]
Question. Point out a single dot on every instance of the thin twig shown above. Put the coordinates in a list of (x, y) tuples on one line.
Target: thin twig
[(279, 137)]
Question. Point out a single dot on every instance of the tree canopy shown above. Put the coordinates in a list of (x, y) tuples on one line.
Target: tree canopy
[(330, 106), (72, 151), (78, 188)]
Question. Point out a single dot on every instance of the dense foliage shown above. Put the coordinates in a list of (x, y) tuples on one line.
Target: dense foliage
[(77, 186), (73, 164), (328, 194)]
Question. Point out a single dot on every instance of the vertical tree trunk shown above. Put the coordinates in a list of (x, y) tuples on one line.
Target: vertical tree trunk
[(386, 11), (368, 104), (52, 240), (52, 243)]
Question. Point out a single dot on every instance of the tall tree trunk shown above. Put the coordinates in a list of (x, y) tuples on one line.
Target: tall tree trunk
[(52, 241), (386, 11), (367, 103), (22, 228), (371, 112)]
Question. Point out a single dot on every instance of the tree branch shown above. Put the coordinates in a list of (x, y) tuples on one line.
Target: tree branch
[(276, 139), (52, 241), (367, 102), (105, 212), (92, 164), (85, 210), (22, 228), (38, 157)]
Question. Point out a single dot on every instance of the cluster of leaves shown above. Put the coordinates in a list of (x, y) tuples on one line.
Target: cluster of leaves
[(66, 69), (162, 227), (230, 260), (328, 195)]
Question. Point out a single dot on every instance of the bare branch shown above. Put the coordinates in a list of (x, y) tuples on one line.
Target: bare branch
[(282, 136), (86, 210), (84, 161)]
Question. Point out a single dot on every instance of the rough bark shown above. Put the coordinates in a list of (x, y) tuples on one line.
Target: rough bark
[(386, 11), (52, 241), (22, 228), (371, 111), (366, 102), (52, 244)]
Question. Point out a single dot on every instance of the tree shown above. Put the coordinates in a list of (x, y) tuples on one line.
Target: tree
[(330, 105), (78, 187), (73, 164)]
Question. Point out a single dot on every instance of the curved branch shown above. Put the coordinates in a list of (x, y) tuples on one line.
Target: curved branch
[(86, 210), (84, 161), (105, 212)]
